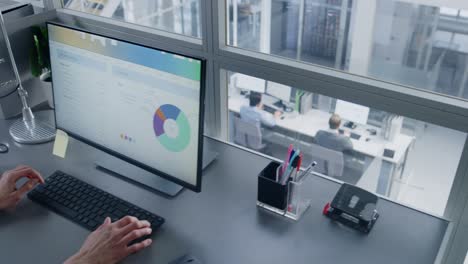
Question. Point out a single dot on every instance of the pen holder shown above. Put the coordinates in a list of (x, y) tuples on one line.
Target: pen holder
[(285, 200)]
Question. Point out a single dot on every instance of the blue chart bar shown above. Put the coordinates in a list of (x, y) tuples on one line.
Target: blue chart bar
[(170, 111)]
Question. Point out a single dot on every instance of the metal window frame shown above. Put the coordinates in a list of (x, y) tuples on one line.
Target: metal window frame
[(442, 110), (446, 111)]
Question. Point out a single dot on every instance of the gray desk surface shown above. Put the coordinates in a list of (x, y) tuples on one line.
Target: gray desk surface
[(219, 225)]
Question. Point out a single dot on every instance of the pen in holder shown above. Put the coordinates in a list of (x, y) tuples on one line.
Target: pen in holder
[(286, 200)]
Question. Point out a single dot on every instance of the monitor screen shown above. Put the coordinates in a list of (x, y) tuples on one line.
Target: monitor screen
[(352, 112), (140, 104), (246, 82), (280, 91)]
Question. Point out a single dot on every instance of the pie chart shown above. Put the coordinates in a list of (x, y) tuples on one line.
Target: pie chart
[(171, 127)]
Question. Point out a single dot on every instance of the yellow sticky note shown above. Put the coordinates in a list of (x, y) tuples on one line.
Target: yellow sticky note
[(60, 144)]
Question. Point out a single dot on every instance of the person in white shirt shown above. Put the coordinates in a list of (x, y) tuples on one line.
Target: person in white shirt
[(254, 111)]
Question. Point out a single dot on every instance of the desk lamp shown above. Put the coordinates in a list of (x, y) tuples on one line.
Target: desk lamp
[(27, 130)]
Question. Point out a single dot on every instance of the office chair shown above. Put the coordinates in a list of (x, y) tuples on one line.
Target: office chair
[(329, 162), (248, 134)]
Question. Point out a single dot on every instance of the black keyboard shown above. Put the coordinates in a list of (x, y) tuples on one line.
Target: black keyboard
[(269, 109), (84, 204), (355, 136)]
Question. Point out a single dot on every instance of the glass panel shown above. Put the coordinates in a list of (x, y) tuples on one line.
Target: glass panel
[(392, 155), (36, 3), (177, 16), (407, 43)]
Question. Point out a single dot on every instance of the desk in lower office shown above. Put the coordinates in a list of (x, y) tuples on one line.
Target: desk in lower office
[(219, 225), (310, 123)]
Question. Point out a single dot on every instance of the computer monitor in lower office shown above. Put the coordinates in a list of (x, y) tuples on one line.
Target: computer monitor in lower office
[(249, 83), (280, 91), (142, 105), (352, 112)]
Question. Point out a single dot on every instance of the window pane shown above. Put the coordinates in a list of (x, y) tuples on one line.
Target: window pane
[(406, 43), (36, 3), (177, 16), (392, 155)]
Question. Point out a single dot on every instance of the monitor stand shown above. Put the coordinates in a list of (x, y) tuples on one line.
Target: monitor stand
[(131, 173)]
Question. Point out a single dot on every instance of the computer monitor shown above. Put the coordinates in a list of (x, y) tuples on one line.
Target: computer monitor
[(280, 91), (140, 104), (249, 83), (352, 112)]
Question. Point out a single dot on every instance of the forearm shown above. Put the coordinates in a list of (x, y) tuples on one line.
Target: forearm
[(78, 258)]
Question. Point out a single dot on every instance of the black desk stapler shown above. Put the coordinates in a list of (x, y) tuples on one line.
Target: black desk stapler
[(354, 207)]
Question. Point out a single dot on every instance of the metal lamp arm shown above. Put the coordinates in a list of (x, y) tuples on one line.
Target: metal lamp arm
[(23, 94)]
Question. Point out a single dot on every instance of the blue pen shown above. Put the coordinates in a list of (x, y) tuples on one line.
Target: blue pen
[(289, 169), (286, 160)]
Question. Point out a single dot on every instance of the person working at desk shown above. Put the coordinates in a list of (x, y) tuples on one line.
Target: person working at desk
[(332, 139), (255, 113), (107, 244)]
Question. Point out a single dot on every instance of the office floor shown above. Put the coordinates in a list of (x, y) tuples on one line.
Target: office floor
[(429, 175)]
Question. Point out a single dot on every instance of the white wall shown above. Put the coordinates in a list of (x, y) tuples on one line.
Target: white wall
[(459, 4)]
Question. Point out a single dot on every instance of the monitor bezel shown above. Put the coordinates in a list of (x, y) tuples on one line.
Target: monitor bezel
[(197, 186)]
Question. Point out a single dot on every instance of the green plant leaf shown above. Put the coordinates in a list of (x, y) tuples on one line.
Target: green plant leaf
[(35, 68), (39, 55)]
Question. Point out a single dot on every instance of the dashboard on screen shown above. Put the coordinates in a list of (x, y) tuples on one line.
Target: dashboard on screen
[(141, 104)]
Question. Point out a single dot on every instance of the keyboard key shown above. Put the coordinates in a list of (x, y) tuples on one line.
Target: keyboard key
[(118, 213), (123, 207), (92, 224), (40, 189)]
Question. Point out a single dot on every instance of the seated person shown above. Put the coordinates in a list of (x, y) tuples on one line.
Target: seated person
[(332, 139), (254, 112)]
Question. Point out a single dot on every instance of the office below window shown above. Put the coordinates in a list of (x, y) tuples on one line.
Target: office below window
[(394, 156)]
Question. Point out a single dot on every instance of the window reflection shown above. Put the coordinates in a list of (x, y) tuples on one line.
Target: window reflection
[(399, 41), (392, 155), (36, 3), (178, 16)]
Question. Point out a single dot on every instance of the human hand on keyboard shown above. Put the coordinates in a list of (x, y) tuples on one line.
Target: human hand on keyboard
[(109, 243), (10, 196), (278, 114)]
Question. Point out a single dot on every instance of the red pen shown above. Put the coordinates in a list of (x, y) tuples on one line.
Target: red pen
[(299, 162)]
